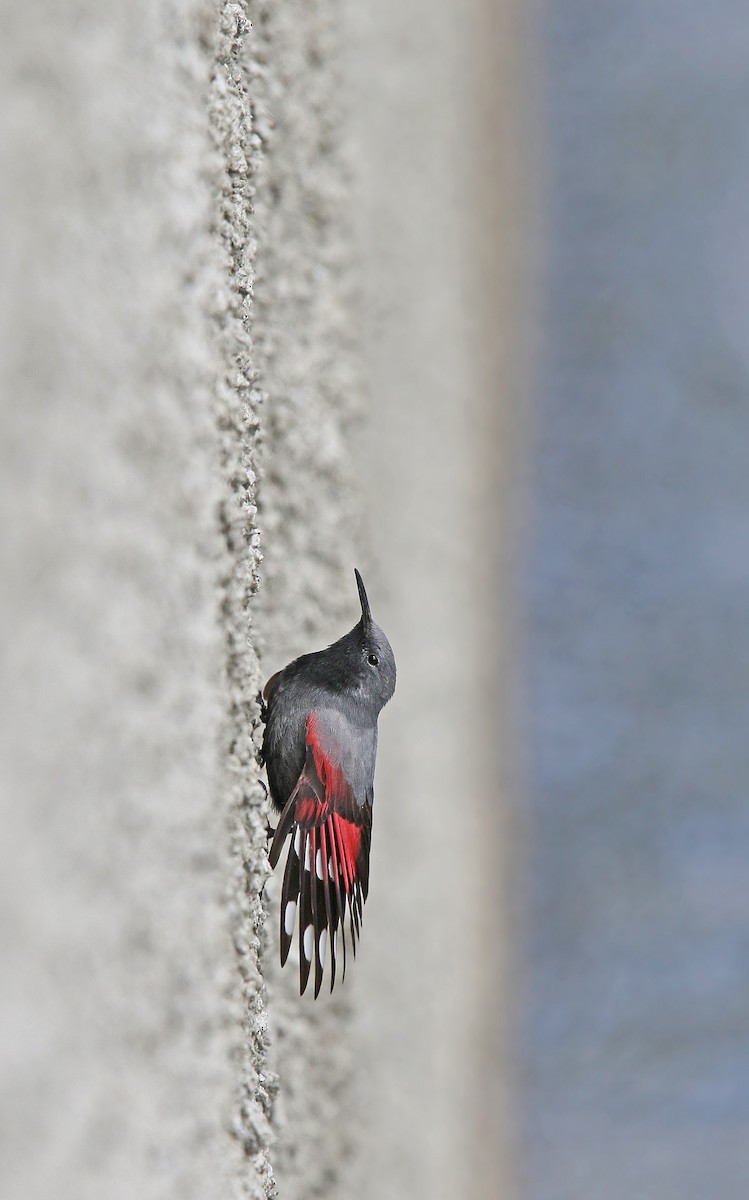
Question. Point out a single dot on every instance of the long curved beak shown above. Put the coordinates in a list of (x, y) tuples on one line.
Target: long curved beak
[(366, 614)]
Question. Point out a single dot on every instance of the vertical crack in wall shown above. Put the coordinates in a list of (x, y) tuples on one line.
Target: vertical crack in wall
[(238, 404)]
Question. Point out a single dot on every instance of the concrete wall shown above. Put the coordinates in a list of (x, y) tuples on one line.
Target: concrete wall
[(244, 306), (126, 558)]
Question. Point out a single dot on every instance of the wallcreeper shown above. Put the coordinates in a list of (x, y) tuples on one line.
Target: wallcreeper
[(319, 747)]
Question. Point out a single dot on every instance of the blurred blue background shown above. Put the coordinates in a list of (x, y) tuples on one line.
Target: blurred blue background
[(637, 1033)]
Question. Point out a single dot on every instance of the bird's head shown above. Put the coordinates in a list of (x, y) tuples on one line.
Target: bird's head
[(376, 667)]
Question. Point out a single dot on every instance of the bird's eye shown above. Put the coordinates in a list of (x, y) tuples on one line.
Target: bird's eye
[(373, 660)]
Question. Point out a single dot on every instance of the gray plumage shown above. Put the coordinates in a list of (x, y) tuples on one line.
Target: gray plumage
[(319, 747)]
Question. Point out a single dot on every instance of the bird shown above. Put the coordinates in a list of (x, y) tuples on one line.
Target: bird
[(319, 748)]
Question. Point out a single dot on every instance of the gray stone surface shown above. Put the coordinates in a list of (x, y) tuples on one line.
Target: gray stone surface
[(125, 1062), (223, 249), (639, 981), (310, 502)]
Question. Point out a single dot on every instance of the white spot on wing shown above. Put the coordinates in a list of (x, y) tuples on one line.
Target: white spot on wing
[(323, 946), (289, 917), (298, 842), (309, 942), (306, 856), (318, 864), (335, 946), (331, 872)]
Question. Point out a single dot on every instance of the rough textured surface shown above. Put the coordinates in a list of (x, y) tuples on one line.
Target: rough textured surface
[(238, 408), (124, 1063), (310, 499), (181, 233)]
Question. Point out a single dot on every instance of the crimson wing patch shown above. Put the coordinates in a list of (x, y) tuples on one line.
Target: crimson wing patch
[(327, 869)]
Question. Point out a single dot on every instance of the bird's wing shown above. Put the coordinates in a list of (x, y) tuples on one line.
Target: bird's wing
[(327, 868)]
